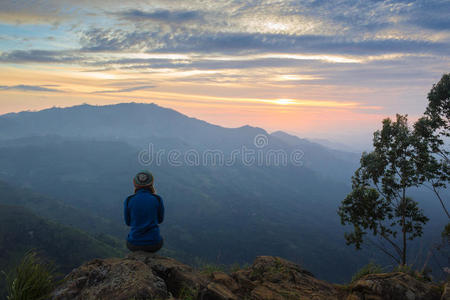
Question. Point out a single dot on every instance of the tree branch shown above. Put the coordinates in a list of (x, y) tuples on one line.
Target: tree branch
[(440, 200), (379, 191), (396, 247), (385, 251)]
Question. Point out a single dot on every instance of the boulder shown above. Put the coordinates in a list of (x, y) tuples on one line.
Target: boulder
[(393, 286), (112, 279), (179, 278), (216, 291), (276, 278)]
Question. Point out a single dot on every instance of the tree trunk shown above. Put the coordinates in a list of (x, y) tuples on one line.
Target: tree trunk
[(404, 228), (404, 243)]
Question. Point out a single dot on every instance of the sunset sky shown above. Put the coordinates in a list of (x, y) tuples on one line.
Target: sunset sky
[(319, 69)]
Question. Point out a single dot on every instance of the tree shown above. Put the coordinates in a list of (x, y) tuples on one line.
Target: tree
[(378, 203), (431, 131)]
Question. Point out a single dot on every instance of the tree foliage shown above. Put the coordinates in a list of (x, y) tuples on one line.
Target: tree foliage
[(438, 110), (378, 203), (432, 131)]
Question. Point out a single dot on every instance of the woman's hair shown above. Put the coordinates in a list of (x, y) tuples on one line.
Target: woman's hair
[(149, 188)]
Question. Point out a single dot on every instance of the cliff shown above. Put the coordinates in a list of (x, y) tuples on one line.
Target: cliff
[(148, 276)]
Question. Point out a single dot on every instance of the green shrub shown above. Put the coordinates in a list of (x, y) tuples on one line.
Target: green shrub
[(370, 268), (208, 269), (188, 293), (31, 280), (403, 269), (422, 276), (236, 267)]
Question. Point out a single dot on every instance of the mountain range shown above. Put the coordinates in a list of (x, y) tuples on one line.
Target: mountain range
[(222, 206)]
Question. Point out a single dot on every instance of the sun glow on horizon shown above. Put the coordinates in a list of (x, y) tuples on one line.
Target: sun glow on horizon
[(285, 101)]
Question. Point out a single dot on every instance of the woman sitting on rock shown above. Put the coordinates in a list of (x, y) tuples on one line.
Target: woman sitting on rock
[(143, 211)]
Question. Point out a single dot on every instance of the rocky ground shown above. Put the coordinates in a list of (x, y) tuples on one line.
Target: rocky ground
[(148, 276)]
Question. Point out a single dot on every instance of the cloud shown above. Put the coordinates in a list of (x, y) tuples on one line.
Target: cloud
[(20, 11), (236, 27), (204, 62), (199, 30), (431, 15), (39, 56), (101, 40), (29, 88), (175, 16), (340, 16), (125, 90), (241, 42)]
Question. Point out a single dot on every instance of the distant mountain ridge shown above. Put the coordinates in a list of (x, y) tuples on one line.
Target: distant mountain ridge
[(337, 145), (125, 120), (141, 124)]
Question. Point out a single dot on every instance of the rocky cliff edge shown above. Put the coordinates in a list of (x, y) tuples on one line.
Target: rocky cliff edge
[(149, 276)]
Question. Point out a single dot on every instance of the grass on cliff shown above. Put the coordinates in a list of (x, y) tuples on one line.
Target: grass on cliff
[(188, 293), (370, 268), (31, 280), (419, 275), (207, 268), (373, 268)]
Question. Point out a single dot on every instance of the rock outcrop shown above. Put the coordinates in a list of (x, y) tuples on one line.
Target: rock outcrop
[(148, 276), (446, 293), (269, 278), (393, 286)]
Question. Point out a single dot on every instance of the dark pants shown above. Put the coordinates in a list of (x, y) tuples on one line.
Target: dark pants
[(146, 248)]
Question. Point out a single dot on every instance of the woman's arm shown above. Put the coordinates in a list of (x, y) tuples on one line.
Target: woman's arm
[(160, 211), (126, 212)]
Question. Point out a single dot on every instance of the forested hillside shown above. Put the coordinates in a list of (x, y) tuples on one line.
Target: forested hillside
[(61, 212), (66, 247)]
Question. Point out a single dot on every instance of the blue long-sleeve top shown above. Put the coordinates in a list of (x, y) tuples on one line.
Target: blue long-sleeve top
[(143, 211)]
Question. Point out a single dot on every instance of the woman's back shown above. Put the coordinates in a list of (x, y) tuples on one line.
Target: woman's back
[(143, 211)]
